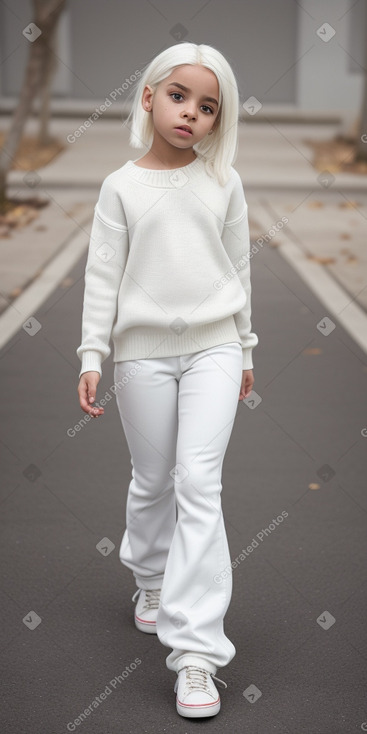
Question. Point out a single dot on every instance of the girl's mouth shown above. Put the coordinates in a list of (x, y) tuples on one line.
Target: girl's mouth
[(185, 133)]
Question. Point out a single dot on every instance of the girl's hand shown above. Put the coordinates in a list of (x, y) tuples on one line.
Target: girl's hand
[(247, 383), (87, 393)]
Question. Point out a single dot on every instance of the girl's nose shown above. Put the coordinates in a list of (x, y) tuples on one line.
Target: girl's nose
[(190, 112)]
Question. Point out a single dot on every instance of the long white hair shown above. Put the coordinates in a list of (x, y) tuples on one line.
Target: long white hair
[(219, 149)]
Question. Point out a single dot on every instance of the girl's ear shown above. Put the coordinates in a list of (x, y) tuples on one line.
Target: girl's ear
[(146, 98)]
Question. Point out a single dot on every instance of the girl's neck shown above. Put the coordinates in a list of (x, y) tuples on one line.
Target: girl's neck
[(157, 162)]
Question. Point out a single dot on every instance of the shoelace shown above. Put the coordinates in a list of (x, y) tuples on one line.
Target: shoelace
[(152, 598), (198, 678)]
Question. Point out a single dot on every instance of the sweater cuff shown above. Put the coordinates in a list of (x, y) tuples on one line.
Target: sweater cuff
[(247, 358), (91, 361)]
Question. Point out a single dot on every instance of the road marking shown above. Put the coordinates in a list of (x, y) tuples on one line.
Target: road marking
[(336, 300), (23, 307)]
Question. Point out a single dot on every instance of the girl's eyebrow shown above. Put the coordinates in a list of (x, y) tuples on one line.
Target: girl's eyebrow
[(186, 89)]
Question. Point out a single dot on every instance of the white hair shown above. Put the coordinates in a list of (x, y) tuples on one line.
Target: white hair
[(219, 149)]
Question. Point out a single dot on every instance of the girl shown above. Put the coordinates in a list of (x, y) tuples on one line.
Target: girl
[(168, 278)]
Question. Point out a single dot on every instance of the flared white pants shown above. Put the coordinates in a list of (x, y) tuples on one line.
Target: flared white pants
[(177, 414)]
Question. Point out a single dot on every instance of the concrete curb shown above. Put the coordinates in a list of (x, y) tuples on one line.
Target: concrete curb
[(19, 313)]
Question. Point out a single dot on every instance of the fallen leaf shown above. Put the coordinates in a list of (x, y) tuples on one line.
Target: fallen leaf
[(31, 155), (351, 257), (19, 216), (312, 350), (348, 204), (16, 292), (324, 164), (322, 260)]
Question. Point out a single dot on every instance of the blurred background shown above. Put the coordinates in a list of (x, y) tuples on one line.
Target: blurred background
[(297, 616), (272, 46)]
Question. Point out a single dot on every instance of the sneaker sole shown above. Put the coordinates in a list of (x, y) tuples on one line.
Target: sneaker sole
[(144, 626), (192, 710)]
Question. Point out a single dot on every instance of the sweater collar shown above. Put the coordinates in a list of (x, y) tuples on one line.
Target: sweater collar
[(166, 178)]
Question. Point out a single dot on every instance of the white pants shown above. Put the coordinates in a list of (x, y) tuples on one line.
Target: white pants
[(177, 414)]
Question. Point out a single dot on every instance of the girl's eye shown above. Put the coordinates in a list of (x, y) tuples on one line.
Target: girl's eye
[(178, 94)]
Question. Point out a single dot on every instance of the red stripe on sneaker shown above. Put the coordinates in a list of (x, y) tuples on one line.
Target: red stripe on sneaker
[(145, 621), (198, 705)]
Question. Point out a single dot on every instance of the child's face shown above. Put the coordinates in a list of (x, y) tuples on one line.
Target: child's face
[(196, 106)]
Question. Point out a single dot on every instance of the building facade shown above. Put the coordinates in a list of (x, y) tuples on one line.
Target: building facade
[(298, 58)]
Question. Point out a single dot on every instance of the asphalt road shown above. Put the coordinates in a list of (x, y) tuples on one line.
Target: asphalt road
[(298, 610)]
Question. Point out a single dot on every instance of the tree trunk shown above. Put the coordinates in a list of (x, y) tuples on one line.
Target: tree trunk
[(49, 69), (361, 152), (46, 16)]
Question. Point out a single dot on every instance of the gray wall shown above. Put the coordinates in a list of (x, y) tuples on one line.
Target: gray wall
[(271, 44), (252, 35), (101, 43)]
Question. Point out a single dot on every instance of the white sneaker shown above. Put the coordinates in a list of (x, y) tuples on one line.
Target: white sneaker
[(196, 692), (146, 609)]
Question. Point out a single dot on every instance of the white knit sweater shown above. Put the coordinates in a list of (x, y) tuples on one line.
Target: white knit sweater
[(168, 271)]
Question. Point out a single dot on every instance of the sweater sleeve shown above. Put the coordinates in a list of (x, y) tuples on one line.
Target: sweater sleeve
[(107, 255), (236, 240)]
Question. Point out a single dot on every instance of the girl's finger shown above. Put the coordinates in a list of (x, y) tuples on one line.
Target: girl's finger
[(91, 393)]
